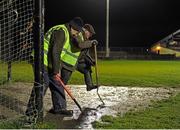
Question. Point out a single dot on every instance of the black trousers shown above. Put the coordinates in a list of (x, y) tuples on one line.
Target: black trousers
[(85, 69)]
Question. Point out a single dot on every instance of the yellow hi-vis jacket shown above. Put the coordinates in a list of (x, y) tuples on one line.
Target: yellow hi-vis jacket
[(69, 53)]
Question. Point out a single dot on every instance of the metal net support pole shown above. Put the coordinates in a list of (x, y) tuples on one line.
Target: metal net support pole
[(38, 55)]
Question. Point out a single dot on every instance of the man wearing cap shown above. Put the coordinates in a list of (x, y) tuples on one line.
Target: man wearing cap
[(85, 61), (62, 46), (65, 43)]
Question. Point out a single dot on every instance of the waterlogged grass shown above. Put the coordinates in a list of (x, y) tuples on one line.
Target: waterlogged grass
[(161, 115)]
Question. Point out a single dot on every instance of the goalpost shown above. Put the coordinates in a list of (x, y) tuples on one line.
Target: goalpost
[(21, 32)]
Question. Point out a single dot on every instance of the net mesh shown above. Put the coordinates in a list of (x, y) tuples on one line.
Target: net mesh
[(16, 44)]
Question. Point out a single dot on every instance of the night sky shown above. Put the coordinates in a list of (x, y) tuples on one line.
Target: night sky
[(136, 23)]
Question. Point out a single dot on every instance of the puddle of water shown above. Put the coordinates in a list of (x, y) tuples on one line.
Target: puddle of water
[(89, 115)]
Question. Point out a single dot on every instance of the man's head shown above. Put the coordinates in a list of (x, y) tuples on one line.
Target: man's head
[(89, 30), (76, 26)]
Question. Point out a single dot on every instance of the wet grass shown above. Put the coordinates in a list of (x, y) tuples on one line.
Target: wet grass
[(123, 73), (21, 72), (20, 125), (161, 115), (136, 73), (11, 125), (117, 73)]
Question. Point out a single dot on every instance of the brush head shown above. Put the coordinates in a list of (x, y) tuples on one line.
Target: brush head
[(86, 112)]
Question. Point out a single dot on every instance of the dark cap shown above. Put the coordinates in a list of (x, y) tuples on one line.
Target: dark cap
[(90, 28), (77, 24)]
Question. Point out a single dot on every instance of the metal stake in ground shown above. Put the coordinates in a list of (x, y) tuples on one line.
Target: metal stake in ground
[(96, 71)]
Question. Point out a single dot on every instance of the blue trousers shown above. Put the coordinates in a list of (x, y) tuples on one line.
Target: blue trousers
[(57, 91)]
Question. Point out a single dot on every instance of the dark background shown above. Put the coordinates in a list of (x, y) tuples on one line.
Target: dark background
[(135, 23)]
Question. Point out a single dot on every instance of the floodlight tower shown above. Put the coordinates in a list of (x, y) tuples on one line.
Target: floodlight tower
[(107, 28)]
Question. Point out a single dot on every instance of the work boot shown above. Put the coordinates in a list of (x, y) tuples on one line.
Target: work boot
[(62, 112), (89, 88)]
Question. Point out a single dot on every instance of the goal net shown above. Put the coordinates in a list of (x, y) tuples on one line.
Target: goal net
[(16, 45)]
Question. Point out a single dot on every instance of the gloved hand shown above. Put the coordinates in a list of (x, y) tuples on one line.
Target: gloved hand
[(94, 42)]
